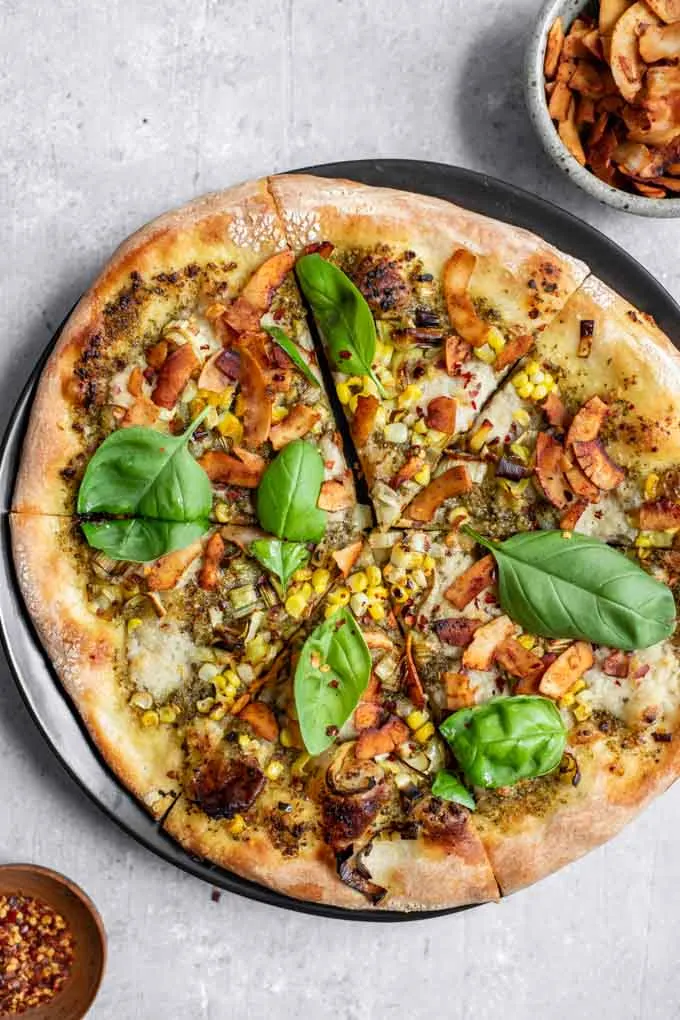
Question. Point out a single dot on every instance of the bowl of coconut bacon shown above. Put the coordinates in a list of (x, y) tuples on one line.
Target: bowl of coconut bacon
[(603, 92), (52, 945)]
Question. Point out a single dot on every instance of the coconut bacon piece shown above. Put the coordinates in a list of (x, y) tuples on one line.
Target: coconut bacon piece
[(457, 273), (166, 571), (337, 494), (660, 514), (261, 720), (441, 415), (667, 10), (548, 469), (513, 351), (598, 465), (414, 688), (578, 482), (372, 742), (173, 376), (459, 693), (566, 669), (212, 557), (453, 482), (572, 516), (457, 352), (245, 312), (479, 654), (257, 413), (520, 662), (553, 48), (588, 421), (297, 423), (455, 630), (363, 419), (471, 582), (224, 469)]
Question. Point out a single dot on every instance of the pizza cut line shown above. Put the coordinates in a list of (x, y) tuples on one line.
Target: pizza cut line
[(344, 702)]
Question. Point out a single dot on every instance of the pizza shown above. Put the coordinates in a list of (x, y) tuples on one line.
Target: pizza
[(348, 521)]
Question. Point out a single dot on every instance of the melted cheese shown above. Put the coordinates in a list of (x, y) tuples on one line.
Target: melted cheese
[(629, 699), (160, 657)]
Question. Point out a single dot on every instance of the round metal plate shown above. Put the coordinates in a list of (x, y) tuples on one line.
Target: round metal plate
[(49, 706)]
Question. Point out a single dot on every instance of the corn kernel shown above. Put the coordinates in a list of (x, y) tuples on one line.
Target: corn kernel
[(340, 597), (320, 580), (377, 591), (522, 416), (359, 603), (219, 711), (520, 379), (274, 770), (580, 685), (582, 711), (567, 700), (295, 605), (222, 513), (230, 426), (495, 339), (150, 718), (133, 624), (279, 413), (531, 366), (643, 541), (141, 699), (344, 392), (377, 612), (306, 591), (204, 705), (329, 611), (538, 377), (399, 595), (373, 576), (416, 719), (429, 563), (353, 403), (651, 486), (286, 737), (410, 395), (423, 734), (485, 354), (369, 388), (257, 649), (525, 392), (168, 714), (549, 383), (478, 439), (527, 641), (357, 582), (300, 764), (434, 438), (422, 477), (540, 392), (458, 515), (420, 428), (238, 825)]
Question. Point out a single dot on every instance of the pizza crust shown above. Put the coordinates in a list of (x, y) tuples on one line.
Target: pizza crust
[(86, 652), (239, 225)]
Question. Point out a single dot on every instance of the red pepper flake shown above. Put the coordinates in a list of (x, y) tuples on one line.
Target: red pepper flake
[(36, 953)]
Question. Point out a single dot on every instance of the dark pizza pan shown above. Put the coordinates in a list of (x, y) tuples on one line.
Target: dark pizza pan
[(51, 709)]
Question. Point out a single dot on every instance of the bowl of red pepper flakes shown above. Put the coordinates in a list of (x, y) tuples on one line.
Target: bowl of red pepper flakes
[(52, 945)]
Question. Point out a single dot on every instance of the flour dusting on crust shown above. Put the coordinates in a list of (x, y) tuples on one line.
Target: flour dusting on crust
[(256, 230)]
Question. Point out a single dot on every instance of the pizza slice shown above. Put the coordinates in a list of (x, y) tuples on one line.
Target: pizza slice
[(355, 823), (572, 438), (197, 319), (423, 308)]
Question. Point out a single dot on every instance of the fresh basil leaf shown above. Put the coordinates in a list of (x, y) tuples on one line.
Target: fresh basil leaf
[(570, 586), (145, 473), (287, 345), (325, 698), (342, 315), (281, 558), (288, 494), (446, 786), (139, 540), (506, 739)]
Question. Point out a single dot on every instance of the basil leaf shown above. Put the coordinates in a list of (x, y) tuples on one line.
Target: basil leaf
[(506, 740), (342, 315), (326, 698), (287, 345), (281, 558), (145, 473), (579, 587), (288, 493), (446, 786), (139, 540)]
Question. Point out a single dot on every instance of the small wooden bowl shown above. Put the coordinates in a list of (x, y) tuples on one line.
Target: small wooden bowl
[(83, 919)]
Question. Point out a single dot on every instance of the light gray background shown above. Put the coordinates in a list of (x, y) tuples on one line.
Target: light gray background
[(112, 111)]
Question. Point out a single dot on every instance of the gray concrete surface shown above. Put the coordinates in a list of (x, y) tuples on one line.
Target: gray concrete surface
[(111, 112)]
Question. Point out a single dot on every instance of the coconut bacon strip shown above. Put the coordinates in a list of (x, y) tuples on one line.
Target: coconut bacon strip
[(173, 376), (244, 314), (464, 319), (566, 669), (453, 482), (471, 582)]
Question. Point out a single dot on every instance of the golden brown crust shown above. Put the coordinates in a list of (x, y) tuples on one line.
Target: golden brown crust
[(239, 225), (86, 653), (632, 365), (526, 279), (542, 826)]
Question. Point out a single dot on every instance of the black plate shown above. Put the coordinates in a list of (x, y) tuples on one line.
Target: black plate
[(50, 708)]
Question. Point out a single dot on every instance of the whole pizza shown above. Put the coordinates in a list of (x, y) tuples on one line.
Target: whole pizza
[(349, 522)]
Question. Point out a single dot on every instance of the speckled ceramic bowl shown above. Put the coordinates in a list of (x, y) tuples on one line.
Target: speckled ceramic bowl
[(538, 111)]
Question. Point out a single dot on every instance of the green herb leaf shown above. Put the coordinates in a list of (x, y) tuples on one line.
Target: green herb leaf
[(281, 558), (145, 473), (446, 786), (287, 345), (326, 698), (506, 739), (288, 494), (342, 314), (138, 540), (579, 587)]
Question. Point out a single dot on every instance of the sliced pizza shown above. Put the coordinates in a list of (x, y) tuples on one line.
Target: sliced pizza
[(454, 300)]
